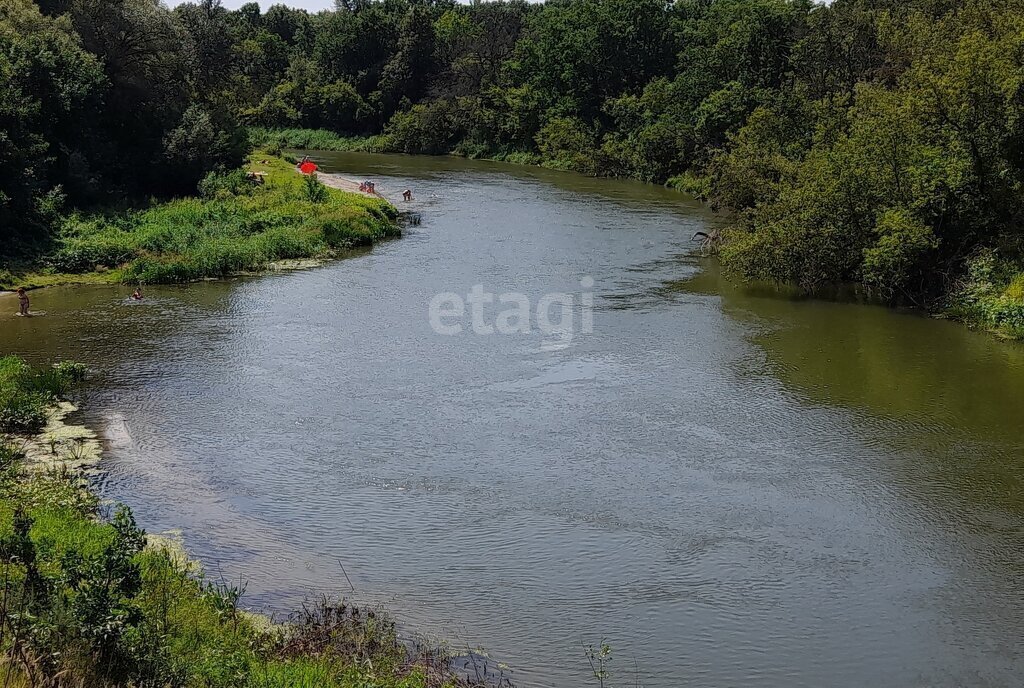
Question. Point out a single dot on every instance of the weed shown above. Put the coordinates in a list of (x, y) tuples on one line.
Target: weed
[(314, 190)]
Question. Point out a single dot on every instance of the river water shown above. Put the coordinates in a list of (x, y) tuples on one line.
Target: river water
[(728, 486)]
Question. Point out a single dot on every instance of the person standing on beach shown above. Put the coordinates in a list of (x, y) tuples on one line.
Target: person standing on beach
[(22, 301)]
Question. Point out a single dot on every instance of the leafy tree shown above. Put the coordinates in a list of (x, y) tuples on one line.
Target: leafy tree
[(198, 144), (50, 83)]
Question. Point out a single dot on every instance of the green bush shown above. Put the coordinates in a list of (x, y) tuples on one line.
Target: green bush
[(315, 191), (83, 255), (992, 295), (900, 254), (309, 139), (26, 394), (432, 128), (23, 414), (568, 143), (223, 184)]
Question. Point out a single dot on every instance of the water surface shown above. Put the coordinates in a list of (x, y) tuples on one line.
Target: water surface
[(731, 487)]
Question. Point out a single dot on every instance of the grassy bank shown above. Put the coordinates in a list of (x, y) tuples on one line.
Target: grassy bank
[(235, 225), (86, 599), (317, 139), (325, 140)]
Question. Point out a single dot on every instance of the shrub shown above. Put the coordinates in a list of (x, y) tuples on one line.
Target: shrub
[(698, 186), (71, 371), (224, 184), (432, 128), (83, 255), (899, 255), (308, 139), (23, 414), (27, 394), (991, 296), (314, 191)]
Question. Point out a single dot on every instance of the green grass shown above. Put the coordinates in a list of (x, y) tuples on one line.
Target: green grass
[(234, 226), (325, 140), (317, 139), (26, 394), (154, 621)]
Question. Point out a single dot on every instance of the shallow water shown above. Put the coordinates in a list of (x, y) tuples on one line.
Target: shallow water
[(730, 487)]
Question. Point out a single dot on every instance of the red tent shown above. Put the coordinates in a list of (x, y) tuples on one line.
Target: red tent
[(308, 167)]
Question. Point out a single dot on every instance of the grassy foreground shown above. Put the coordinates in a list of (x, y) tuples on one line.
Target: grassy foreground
[(235, 225), (87, 600)]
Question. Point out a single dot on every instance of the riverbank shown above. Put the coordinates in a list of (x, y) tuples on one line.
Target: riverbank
[(91, 599), (238, 224), (987, 295)]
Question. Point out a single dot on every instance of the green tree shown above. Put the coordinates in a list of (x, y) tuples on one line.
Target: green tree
[(51, 84)]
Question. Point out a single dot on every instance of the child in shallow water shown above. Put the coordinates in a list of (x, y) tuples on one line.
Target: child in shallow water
[(22, 301), (137, 294)]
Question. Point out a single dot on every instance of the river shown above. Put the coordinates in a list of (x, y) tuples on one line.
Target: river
[(729, 486)]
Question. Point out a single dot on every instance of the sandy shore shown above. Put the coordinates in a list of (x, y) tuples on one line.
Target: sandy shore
[(336, 181)]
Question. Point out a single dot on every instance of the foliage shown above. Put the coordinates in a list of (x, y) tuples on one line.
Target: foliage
[(48, 80), (236, 225), (27, 394), (903, 177), (310, 139), (314, 191), (991, 295)]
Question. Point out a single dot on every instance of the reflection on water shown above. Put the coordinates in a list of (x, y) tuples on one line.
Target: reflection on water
[(731, 488), (918, 384)]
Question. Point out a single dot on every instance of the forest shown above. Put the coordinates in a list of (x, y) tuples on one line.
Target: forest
[(870, 142)]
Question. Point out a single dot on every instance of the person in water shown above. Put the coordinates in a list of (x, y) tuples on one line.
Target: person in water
[(22, 301), (137, 294), (407, 195)]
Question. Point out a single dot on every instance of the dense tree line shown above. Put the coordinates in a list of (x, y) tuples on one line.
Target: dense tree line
[(873, 141), (103, 99)]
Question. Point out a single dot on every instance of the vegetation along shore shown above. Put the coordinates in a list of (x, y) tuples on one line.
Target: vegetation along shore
[(237, 222), (88, 599), (873, 142)]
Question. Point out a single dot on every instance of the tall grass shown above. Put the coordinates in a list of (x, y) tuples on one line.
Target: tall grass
[(318, 139), (235, 225), (26, 394), (325, 140)]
